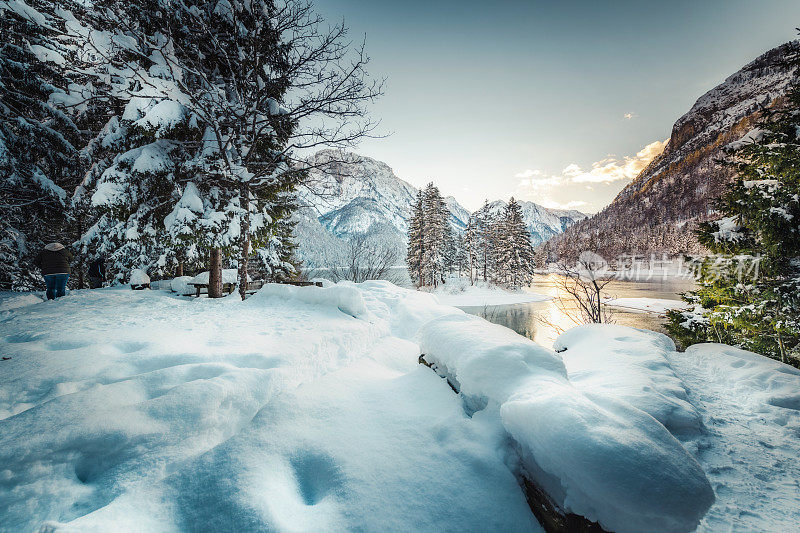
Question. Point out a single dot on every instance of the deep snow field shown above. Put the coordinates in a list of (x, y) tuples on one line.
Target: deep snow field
[(305, 409)]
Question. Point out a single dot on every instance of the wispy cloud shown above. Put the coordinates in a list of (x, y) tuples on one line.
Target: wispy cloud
[(552, 204), (528, 173)]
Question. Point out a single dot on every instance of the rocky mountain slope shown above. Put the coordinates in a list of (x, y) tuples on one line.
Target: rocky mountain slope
[(356, 194), (658, 211)]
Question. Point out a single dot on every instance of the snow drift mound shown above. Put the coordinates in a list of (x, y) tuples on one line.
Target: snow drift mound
[(343, 296), (631, 365), (595, 455), (776, 383)]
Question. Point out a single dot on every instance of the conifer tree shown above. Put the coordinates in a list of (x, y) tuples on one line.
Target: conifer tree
[(39, 141), (484, 241), (416, 245), (436, 236), (230, 90), (516, 254), (472, 246), (430, 239), (461, 256), (749, 292)]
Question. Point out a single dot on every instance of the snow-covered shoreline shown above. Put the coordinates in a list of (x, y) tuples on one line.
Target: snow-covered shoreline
[(305, 408), (459, 293), (658, 306)]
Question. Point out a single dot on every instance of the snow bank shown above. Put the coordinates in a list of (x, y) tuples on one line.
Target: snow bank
[(647, 305), (630, 365), (594, 454), (15, 300), (343, 296), (751, 409), (406, 310), (756, 378)]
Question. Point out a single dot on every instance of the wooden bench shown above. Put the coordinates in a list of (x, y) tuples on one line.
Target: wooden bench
[(199, 287), (252, 287), (302, 283)]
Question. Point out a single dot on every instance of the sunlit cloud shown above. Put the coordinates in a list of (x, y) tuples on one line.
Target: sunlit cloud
[(613, 169), (574, 187)]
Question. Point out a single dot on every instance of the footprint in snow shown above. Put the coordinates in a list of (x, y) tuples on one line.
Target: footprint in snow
[(317, 476)]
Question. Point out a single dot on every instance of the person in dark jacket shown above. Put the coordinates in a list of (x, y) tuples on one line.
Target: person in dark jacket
[(97, 272), (53, 261)]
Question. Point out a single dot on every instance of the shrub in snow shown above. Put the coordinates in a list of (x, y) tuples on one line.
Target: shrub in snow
[(631, 365), (139, 279), (594, 454)]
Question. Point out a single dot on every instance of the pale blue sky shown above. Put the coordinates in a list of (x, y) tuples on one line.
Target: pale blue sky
[(480, 92)]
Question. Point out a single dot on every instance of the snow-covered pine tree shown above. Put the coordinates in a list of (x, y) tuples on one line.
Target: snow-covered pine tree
[(137, 193), (259, 80), (501, 250), (461, 257), (471, 246), (39, 141), (484, 241), (749, 292), (450, 249), (416, 245), (436, 235), (516, 254)]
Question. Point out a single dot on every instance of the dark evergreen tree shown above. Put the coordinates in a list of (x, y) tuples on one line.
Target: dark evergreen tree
[(39, 142)]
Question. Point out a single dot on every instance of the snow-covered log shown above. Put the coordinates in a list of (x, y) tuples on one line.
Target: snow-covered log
[(631, 365), (594, 454)]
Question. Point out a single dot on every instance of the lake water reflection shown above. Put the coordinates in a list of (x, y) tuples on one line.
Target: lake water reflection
[(525, 318)]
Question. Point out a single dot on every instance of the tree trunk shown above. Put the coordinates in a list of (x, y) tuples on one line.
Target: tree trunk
[(244, 257), (215, 273), (81, 256), (244, 199), (179, 269)]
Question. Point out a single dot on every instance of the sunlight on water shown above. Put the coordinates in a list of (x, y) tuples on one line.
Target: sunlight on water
[(543, 321)]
